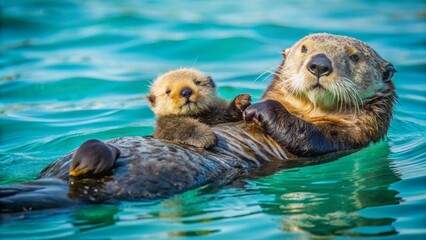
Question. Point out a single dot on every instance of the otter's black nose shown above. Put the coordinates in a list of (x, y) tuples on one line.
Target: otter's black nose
[(320, 65), (186, 92)]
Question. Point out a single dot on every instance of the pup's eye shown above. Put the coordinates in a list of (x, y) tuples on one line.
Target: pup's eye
[(168, 92), (304, 49), (197, 82), (354, 57)]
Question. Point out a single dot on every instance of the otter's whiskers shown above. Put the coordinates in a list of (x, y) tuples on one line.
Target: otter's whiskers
[(346, 95), (269, 72), (294, 84)]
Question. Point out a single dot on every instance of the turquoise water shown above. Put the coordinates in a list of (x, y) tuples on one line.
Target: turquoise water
[(74, 70)]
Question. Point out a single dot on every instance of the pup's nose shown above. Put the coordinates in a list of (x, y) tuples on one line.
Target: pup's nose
[(320, 65), (186, 92)]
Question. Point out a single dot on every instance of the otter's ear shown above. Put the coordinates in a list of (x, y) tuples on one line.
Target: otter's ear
[(211, 82), (389, 72), (151, 99), (285, 52)]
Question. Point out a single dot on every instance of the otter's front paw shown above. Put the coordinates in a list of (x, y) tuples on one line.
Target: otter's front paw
[(93, 157), (265, 113), (242, 101), (202, 139)]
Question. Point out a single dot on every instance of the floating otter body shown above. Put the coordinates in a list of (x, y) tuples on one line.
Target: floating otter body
[(331, 93)]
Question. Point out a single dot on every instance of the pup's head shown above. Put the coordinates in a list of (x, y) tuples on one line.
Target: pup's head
[(334, 72), (183, 91)]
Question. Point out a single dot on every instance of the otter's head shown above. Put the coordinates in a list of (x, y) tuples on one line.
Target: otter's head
[(334, 73), (182, 92)]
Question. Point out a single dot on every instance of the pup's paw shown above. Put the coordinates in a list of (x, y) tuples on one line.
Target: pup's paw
[(202, 138), (242, 101)]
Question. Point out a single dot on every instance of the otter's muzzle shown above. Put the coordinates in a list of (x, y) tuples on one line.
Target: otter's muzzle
[(186, 92), (320, 65)]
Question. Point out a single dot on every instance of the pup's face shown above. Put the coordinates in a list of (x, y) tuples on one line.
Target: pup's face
[(334, 72), (182, 92)]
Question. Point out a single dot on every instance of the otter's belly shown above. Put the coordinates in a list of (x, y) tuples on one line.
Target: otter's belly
[(149, 168)]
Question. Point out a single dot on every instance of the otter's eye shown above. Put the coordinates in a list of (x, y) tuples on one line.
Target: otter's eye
[(168, 92), (197, 82), (354, 57), (304, 49)]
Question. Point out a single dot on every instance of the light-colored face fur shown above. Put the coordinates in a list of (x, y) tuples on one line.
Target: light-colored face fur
[(165, 97), (357, 72)]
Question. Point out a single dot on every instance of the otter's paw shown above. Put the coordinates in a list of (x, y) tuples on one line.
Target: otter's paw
[(242, 101), (93, 157), (265, 113), (201, 138)]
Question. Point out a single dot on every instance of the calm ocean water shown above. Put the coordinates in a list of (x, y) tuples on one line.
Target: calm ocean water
[(75, 70)]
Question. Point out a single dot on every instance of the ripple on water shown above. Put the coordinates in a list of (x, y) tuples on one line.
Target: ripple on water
[(69, 89)]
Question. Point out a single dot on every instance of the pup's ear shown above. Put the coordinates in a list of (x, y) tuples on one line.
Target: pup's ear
[(390, 70), (285, 52), (211, 82), (151, 99)]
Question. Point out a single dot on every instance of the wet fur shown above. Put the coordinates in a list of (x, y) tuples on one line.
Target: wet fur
[(197, 132), (185, 130)]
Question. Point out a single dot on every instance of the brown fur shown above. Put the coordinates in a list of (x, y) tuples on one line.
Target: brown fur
[(186, 120), (352, 107)]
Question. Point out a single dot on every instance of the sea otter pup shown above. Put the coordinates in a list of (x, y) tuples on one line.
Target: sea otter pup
[(330, 93), (186, 104)]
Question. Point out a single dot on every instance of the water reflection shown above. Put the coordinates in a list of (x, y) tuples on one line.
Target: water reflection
[(94, 216), (324, 200)]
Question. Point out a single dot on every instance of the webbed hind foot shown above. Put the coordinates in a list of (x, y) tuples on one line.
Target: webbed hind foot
[(93, 157)]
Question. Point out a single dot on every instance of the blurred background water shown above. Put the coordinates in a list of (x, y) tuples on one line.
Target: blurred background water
[(73, 70)]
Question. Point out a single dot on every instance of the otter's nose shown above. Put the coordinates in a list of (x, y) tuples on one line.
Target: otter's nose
[(320, 65), (186, 92)]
